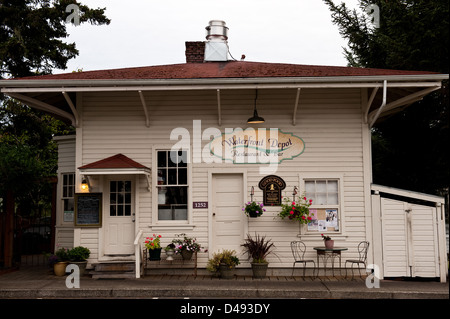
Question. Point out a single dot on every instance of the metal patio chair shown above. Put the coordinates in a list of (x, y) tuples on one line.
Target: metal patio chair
[(362, 252), (298, 251)]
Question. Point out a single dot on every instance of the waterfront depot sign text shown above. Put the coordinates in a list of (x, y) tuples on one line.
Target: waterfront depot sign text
[(257, 146), (237, 145)]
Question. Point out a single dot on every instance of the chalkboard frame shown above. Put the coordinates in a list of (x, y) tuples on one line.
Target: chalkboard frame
[(97, 196)]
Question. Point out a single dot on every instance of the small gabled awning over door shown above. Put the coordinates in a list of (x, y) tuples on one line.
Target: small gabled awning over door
[(118, 164)]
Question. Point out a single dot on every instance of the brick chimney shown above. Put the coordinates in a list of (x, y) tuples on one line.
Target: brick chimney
[(195, 52)]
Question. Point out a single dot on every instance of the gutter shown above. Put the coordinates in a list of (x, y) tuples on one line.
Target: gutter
[(60, 85)]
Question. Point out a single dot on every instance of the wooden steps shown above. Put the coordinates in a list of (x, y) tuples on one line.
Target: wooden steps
[(114, 270)]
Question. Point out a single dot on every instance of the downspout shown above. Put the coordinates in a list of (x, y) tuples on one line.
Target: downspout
[(375, 118)]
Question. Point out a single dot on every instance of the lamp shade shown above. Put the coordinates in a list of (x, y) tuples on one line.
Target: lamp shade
[(255, 119)]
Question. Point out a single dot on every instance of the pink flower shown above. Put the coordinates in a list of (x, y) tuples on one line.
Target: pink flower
[(293, 203), (304, 198), (292, 212)]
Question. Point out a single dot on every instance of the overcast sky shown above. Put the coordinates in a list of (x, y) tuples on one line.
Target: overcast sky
[(153, 32)]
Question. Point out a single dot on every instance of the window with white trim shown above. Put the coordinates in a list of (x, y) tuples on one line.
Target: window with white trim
[(172, 185), (68, 191), (326, 206)]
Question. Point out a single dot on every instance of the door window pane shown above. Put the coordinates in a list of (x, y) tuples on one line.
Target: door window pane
[(120, 198)]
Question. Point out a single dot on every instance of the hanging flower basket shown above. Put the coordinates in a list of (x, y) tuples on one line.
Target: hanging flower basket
[(296, 210), (253, 209)]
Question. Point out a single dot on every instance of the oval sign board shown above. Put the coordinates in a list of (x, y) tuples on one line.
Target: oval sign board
[(259, 146)]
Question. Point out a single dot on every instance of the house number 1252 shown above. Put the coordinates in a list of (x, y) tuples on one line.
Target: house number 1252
[(200, 204)]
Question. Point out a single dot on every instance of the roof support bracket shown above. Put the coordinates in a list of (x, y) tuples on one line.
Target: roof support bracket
[(144, 105), (72, 107), (219, 111), (149, 181), (297, 99), (414, 97), (369, 104), (43, 106), (375, 118)]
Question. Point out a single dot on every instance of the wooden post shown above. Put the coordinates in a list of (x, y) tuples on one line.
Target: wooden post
[(9, 229)]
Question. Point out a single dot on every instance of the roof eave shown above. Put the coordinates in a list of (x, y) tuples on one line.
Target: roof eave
[(21, 86)]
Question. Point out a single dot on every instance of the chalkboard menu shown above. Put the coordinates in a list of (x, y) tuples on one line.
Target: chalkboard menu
[(272, 186), (88, 210)]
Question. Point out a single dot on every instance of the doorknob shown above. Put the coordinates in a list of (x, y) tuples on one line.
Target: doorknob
[(214, 214)]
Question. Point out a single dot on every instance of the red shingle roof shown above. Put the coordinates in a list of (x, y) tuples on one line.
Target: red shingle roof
[(116, 161), (230, 69)]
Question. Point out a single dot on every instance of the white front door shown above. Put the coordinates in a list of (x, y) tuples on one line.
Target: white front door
[(228, 222), (119, 217)]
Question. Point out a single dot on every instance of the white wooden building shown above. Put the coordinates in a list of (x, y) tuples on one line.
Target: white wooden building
[(128, 120)]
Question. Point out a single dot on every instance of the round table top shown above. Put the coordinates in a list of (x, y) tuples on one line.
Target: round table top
[(323, 248)]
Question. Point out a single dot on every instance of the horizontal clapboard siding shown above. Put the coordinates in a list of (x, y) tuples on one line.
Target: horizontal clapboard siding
[(328, 120), (66, 164)]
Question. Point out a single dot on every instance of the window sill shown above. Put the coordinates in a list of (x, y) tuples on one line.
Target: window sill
[(174, 227)]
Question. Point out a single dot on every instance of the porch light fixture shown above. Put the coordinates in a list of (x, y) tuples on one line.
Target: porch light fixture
[(255, 119), (84, 185)]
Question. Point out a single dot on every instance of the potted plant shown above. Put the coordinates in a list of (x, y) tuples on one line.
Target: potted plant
[(59, 261), (170, 251), (224, 263), (253, 209), (258, 249), (153, 244), (186, 246), (78, 256), (296, 210), (329, 243)]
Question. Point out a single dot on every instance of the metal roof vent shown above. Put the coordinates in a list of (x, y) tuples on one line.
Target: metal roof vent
[(216, 47)]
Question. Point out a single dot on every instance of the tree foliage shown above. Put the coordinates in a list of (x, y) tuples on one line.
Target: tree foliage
[(32, 34), (32, 42), (409, 147)]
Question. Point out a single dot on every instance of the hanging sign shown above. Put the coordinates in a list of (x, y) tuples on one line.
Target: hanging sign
[(259, 146), (272, 186)]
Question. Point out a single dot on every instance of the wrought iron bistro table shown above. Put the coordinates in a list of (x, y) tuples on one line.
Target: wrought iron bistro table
[(327, 253)]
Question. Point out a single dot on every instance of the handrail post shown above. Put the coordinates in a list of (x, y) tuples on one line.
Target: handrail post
[(137, 253)]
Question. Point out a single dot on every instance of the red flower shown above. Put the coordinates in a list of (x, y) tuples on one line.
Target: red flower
[(292, 212), (293, 203), (304, 198)]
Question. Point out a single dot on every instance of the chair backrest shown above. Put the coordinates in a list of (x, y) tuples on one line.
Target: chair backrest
[(298, 250), (362, 250)]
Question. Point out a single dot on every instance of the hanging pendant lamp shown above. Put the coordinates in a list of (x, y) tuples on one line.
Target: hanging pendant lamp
[(255, 119)]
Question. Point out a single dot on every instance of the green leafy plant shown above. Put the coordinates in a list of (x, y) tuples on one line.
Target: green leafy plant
[(296, 210), (171, 246), (186, 243), (325, 237), (226, 257), (78, 253), (153, 242), (258, 248), (62, 254)]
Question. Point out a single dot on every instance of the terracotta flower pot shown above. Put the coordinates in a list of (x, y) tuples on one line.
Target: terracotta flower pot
[(59, 268), (329, 244)]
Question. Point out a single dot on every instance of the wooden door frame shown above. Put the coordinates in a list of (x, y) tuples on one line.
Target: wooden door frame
[(102, 231)]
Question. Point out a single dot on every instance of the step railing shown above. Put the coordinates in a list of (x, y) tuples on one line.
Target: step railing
[(137, 253)]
